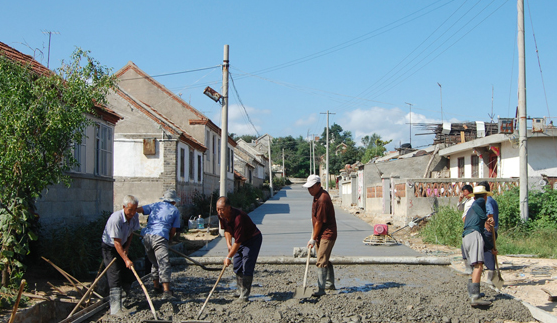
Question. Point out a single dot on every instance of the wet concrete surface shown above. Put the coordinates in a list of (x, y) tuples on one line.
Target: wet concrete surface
[(365, 293)]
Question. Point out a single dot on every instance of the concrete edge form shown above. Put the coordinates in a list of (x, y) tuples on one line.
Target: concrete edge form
[(439, 261)]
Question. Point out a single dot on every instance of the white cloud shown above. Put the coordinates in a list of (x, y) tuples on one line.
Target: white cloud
[(391, 124), (305, 121), (238, 122)]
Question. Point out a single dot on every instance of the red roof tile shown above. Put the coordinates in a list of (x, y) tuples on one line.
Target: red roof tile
[(25, 60)]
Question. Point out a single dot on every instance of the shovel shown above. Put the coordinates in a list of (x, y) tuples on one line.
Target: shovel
[(303, 292), (497, 280), (206, 300)]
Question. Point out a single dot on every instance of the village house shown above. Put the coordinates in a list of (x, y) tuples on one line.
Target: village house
[(92, 183), (148, 91), (251, 163), (152, 154)]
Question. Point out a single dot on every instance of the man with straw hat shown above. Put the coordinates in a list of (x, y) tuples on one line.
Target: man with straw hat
[(164, 219), (473, 243)]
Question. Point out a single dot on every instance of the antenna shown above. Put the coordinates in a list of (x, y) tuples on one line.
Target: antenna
[(49, 37), (410, 104)]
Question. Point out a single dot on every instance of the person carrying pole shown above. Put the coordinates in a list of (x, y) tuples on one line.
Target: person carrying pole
[(324, 233), (473, 242), (116, 240), (247, 242)]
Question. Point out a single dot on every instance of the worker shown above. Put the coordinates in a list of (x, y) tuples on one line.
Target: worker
[(492, 210), (116, 241), (324, 234), (244, 251), (164, 219), (473, 243), (465, 201)]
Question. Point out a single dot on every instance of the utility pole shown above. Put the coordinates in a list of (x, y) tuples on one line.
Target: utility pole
[(522, 119), (410, 104), (283, 171), (441, 94), (327, 157), (310, 142), (49, 37), (270, 167), (224, 131), (313, 147)]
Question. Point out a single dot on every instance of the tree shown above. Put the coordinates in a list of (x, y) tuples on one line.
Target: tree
[(41, 116), (373, 146), (342, 148)]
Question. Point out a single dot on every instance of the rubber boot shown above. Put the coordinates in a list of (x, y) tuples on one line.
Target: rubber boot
[(246, 288), (475, 296), (116, 301), (470, 289), (330, 281), (239, 283), (489, 276), (321, 279)]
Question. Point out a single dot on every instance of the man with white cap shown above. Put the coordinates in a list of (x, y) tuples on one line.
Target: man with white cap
[(324, 233), (473, 243), (164, 219)]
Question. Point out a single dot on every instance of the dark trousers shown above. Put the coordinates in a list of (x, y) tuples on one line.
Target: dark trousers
[(488, 256), (118, 274), (246, 257)]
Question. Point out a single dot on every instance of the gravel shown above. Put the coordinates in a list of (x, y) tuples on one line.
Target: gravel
[(365, 293)]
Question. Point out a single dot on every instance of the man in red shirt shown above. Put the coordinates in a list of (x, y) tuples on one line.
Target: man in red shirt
[(247, 242), (324, 233)]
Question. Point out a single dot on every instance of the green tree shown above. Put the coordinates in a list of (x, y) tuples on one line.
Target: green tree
[(41, 116), (342, 148), (374, 146)]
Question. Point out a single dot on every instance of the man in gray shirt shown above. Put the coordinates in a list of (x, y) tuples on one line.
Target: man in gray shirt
[(116, 241)]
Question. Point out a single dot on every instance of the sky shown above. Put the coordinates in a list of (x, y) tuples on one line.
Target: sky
[(366, 62)]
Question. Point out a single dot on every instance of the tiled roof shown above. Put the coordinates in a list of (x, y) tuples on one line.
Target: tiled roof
[(25, 60)]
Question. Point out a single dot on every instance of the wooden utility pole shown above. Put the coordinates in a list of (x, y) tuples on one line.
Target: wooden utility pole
[(283, 171), (327, 157), (522, 116)]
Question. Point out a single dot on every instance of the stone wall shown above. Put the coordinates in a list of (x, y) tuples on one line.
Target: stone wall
[(84, 201)]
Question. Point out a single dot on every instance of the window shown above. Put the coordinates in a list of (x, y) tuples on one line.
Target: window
[(182, 162), (475, 161), (231, 160), (103, 151), (79, 150), (214, 154), (191, 177), (219, 150), (461, 167), (199, 168)]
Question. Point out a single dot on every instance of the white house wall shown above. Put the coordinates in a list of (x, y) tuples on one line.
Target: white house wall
[(510, 162), (129, 160)]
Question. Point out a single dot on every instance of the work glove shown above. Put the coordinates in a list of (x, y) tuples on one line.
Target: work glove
[(311, 243)]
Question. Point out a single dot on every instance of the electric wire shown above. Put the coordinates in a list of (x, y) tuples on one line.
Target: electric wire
[(168, 74), (242, 104)]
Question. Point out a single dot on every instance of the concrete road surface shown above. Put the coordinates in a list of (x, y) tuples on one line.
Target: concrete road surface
[(285, 223)]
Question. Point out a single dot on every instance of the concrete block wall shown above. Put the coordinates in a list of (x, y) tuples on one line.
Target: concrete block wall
[(84, 201)]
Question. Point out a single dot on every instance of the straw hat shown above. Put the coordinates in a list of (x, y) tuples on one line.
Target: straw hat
[(480, 190)]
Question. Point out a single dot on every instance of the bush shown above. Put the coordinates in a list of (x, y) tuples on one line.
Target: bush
[(204, 204), (444, 227), (77, 249), (245, 196), (541, 242), (542, 209)]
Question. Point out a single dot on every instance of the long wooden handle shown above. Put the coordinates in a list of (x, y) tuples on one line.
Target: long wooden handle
[(14, 310), (70, 277), (307, 267), (494, 247), (145, 291), (91, 287), (211, 293)]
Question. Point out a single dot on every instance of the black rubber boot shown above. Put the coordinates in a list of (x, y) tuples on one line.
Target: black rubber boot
[(321, 279), (246, 288), (239, 283), (475, 300), (116, 301), (330, 280)]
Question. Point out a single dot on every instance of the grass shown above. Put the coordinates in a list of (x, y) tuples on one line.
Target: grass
[(539, 242)]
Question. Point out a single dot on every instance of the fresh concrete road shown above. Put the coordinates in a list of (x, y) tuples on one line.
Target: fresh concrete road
[(285, 223)]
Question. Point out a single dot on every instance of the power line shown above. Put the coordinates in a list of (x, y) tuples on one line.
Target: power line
[(168, 74), (242, 104)]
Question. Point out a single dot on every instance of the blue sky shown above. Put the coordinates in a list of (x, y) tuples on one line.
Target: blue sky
[(291, 61)]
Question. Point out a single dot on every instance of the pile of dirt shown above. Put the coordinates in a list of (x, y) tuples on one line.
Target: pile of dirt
[(374, 293)]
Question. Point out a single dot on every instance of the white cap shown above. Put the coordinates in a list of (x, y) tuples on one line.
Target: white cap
[(312, 180)]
